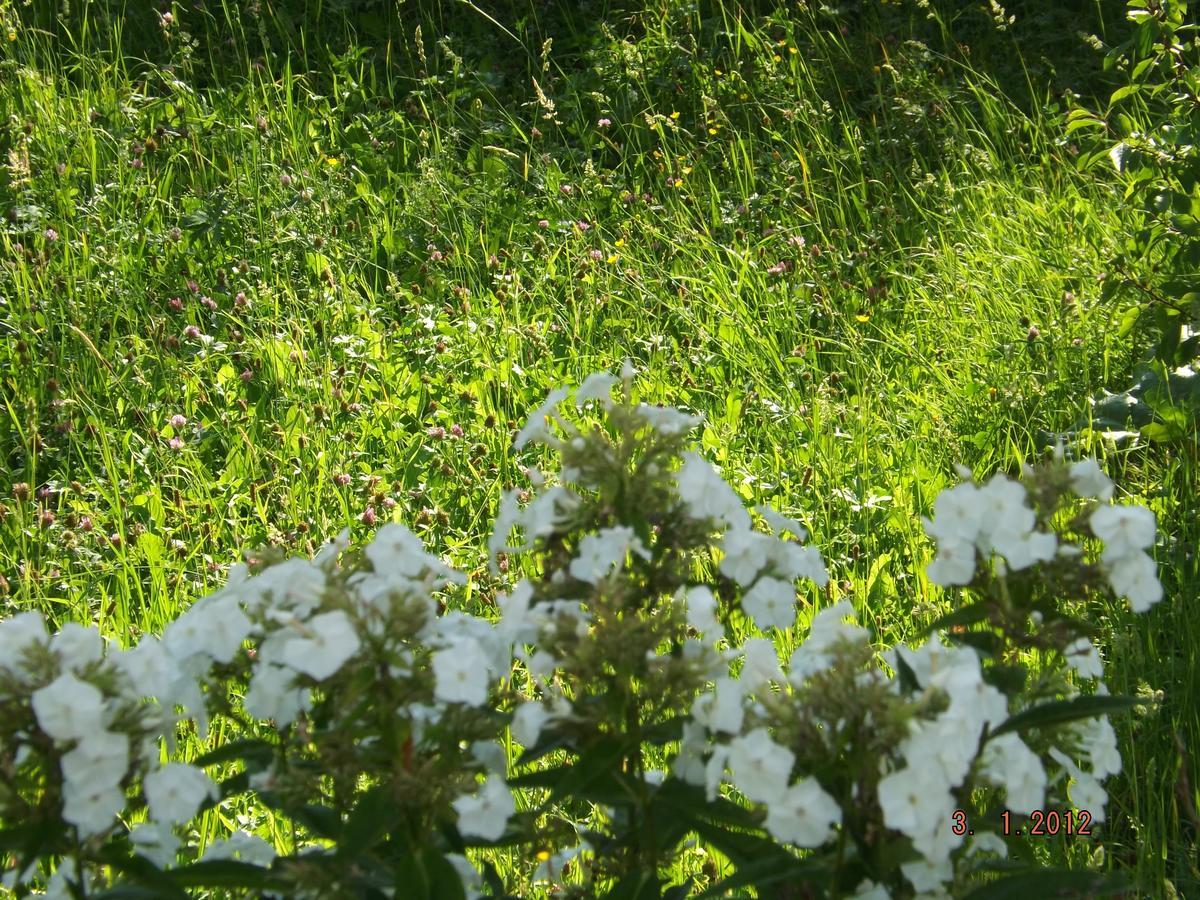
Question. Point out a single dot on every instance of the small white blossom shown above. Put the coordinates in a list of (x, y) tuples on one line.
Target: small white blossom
[(77, 646), (771, 603), (485, 813), (68, 708), (332, 641), (242, 846), (175, 792), (598, 553), (1125, 530), (156, 841), (1135, 577), (804, 815), (460, 674), (536, 429), (1087, 480), (1082, 657), (707, 495), (527, 722), (91, 806), (761, 767)]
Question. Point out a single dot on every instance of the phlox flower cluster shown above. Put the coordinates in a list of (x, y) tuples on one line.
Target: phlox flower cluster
[(618, 646)]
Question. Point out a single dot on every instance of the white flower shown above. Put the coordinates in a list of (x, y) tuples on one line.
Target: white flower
[(156, 841), (536, 429), (702, 610), (954, 564), (101, 759), (215, 627), (804, 815), (76, 646), (987, 842), (780, 523), (1002, 507), (597, 386), (518, 623), (175, 791), (771, 603), (1135, 577), (667, 420), (396, 550), (793, 561), (746, 553), (548, 512), (1086, 792), (928, 876), (1082, 657), (241, 845), (295, 585), (761, 767), (331, 643), (1100, 744), (869, 890), (328, 554), (598, 553), (1022, 549), (460, 674), (722, 709), (762, 663), (68, 708), (1007, 763), (688, 764), (485, 813), (959, 515), (147, 666), (273, 695), (914, 800), (91, 806), (527, 722), (19, 633), (706, 494), (1124, 529), (1087, 480)]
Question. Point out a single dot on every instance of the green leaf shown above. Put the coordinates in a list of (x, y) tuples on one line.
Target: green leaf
[(229, 873), (763, 872), (248, 749), (427, 875), (638, 886), (375, 815), (1048, 882), (1059, 712), (967, 615)]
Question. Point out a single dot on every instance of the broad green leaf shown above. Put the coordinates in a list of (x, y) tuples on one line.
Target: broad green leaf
[(1059, 712), (1049, 882)]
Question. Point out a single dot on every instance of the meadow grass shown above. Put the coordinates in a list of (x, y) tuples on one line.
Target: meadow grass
[(353, 246)]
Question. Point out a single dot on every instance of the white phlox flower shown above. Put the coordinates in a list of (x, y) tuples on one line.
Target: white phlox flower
[(536, 429), (1007, 763), (1087, 480), (599, 553), (761, 767), (485, 813), (175, 792), (68, 708), (706, 495), (804, 815), (460, 673), (771, 603), (329, 640), (77, 646)]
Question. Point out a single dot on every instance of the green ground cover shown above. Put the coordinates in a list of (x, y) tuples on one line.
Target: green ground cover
[(351, 246)]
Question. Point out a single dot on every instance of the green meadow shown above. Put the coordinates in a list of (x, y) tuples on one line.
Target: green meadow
[(273, 268)]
